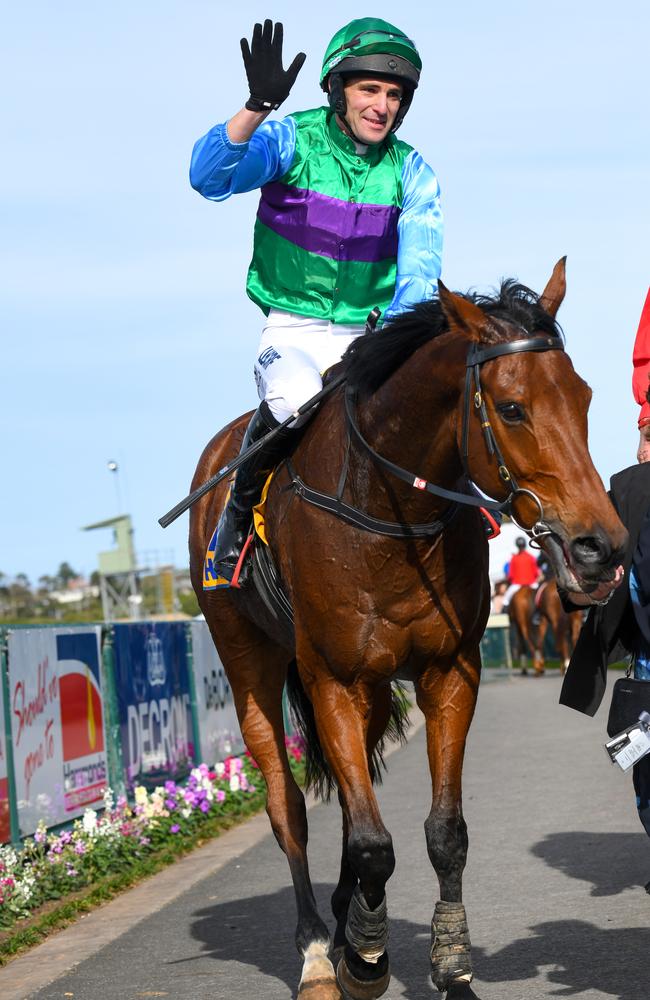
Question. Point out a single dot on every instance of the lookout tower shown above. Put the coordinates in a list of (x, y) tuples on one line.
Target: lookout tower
[(117, 570)]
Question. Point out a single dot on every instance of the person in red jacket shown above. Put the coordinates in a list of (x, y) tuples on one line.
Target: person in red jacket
[(522, 571), (640, 380)]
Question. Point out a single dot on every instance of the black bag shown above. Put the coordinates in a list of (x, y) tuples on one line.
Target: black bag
[(629, 698)]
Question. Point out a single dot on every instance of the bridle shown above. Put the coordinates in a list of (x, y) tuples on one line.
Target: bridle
[(477, 356)]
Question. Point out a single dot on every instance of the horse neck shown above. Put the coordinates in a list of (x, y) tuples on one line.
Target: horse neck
[(412, 420)]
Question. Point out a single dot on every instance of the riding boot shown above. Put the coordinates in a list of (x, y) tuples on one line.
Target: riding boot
[(246, 489)]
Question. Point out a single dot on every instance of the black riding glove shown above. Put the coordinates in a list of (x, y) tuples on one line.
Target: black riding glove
[(269, 83)]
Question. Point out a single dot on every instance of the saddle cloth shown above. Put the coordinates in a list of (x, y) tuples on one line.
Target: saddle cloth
[(212, 579)]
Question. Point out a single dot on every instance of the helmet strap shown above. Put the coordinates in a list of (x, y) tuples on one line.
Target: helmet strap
[(339, 105)]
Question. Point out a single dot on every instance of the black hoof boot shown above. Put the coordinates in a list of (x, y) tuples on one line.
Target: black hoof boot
[(451, 957)]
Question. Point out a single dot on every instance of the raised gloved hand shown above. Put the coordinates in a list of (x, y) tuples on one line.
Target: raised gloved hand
[(269, 83)]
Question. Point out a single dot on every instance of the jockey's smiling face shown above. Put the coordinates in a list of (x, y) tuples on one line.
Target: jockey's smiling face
[(372, 107)]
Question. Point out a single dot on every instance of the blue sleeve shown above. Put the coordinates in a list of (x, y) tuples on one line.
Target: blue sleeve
[(419, 233), (220, 167)]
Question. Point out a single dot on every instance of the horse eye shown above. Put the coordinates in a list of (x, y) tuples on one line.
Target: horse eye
[(512, 413)]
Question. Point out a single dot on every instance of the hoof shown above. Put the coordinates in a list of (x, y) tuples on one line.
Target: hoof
[(320, 989), (361, 989), (318, 977), (461, 991)]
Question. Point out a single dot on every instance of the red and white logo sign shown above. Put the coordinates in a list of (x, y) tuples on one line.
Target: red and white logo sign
[(420, 484)]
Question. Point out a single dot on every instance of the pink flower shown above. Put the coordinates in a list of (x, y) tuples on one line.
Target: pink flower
[(220, 795), (175, 828)]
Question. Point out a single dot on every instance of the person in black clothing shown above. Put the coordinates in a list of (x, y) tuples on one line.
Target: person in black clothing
[(621, 627)]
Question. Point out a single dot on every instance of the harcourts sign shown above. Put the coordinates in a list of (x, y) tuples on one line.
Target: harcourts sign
[(57, 723), (154, 701)]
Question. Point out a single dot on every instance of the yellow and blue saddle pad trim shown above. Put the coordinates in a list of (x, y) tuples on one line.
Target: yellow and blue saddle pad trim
[(212, 579)]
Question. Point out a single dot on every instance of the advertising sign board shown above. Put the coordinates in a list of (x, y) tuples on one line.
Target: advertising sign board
[(218, 724), (57, 723), (153, 696), (5, 827)]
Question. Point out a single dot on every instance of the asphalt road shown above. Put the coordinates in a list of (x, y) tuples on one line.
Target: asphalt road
[(553, 886)]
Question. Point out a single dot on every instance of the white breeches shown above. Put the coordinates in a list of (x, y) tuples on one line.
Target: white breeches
[(293, 352)]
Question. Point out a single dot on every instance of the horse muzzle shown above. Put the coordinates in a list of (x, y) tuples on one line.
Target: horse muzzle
[(583, 561)]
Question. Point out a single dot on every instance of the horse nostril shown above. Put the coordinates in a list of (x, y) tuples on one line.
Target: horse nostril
[(591, 550)]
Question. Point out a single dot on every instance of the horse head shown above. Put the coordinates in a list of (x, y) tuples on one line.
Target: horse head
[(529, 442)]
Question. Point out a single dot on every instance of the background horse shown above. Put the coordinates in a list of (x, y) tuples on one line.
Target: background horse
[(564, 626), (521, 610), (395, 584)]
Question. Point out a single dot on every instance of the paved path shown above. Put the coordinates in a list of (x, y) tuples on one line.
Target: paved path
[(553, 887)]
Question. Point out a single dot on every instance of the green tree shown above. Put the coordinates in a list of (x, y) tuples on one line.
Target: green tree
[(64, 574)]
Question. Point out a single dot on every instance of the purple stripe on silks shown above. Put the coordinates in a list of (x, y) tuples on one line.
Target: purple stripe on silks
[(328, 226)]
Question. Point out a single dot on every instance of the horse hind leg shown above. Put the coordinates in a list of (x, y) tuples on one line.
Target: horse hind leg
[(256, 671)]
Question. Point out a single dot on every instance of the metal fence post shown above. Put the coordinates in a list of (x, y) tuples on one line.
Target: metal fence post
[(14, 823), (112, 717), (193, 702)]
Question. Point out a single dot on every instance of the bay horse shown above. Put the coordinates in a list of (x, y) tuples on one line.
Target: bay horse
[(565, 626), (521, 610), (390, 582)]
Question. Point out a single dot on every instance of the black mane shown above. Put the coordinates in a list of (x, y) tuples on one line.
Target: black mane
[(371, 358)]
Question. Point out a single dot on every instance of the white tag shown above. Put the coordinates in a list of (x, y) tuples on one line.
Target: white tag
[(628, 747)]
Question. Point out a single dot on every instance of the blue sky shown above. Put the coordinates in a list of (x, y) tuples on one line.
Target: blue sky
[(126, 331)]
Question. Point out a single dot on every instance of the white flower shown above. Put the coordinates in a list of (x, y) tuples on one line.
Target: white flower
[(186, 813), (220, 769), (8, 857), (89, 822), (234, 783)]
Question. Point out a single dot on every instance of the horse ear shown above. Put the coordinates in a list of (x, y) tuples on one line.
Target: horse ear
[(462, 312), (553, 295)]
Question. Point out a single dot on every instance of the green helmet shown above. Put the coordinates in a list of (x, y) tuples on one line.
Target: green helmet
[(374, 47)]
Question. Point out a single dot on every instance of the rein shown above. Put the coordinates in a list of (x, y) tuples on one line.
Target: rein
[(477, 356)]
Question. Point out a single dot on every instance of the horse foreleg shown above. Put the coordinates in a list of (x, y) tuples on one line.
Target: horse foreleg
[(343, 717), (540, 636), (447, 701), (347, 883)]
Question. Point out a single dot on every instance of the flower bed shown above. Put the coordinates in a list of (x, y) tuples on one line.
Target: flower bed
[(123, 838)]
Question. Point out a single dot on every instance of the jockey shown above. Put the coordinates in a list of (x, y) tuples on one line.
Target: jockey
[(523, 571), (349, 218)]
